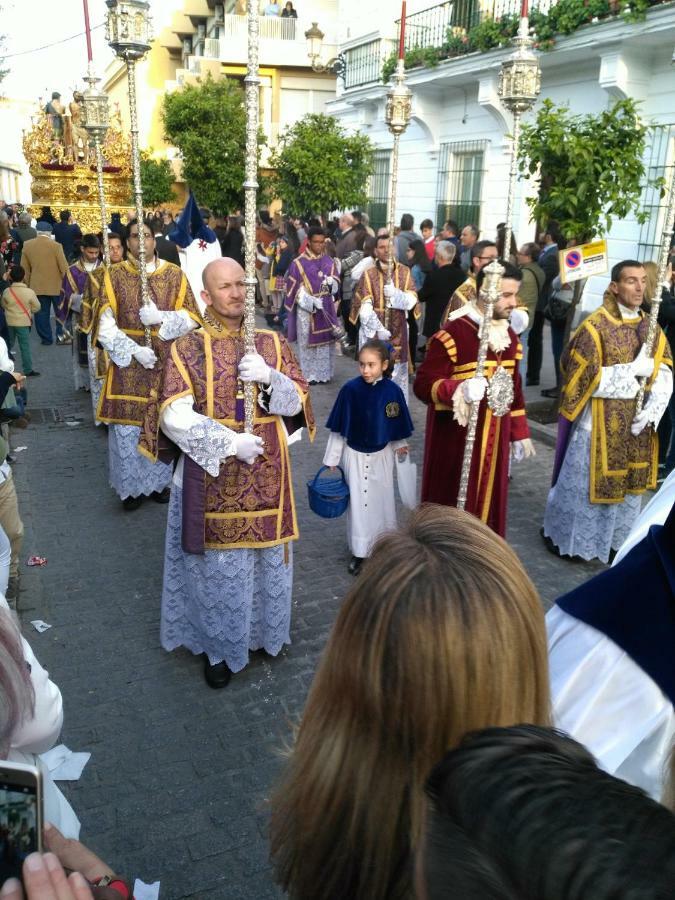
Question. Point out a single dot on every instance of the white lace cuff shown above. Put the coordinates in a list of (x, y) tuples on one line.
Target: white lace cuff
[(120, 347), (659, 396), (369, 321), (617, 383), (280, 397), (305, 301), (175, 324), (209, 443)]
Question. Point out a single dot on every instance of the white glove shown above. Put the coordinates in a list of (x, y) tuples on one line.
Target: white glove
[(150, 315), (318, 303), (640, 422), (389, 290), (643, 365), (76, 302), (519, 320), (383, 334), (254, 368), (249, 447), (330, 284), (146, 357), (522, 449), (474, 389)]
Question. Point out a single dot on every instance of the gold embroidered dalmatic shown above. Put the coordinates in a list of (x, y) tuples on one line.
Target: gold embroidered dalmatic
[(371, 287), (245, 505), (621, 463), (126, 389)]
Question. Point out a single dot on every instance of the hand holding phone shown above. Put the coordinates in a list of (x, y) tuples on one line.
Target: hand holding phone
[(20, 816), (44, 879)]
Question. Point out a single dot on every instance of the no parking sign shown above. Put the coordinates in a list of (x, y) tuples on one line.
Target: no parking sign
[(583, 261)]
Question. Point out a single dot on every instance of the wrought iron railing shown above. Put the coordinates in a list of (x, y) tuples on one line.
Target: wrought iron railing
[(429, 27), (364, 63), (436, 27)]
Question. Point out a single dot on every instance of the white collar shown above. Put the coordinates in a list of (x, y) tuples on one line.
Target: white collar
[(626, 313)]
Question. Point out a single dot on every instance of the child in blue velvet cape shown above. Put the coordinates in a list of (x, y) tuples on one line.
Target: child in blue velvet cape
[(369, 423)]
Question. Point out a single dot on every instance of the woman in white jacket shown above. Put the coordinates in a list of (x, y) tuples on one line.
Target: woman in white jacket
[(31, 716)]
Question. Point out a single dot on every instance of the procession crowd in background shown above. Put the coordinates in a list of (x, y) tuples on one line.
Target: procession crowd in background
[(427, 762)]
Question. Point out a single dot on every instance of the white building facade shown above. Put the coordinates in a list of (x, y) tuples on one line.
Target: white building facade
[(455, 155)]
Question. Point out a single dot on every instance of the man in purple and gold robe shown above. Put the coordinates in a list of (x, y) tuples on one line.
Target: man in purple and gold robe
[(228, 570), (606, 454), (97, 357), (119, 327), (381, 307), (312, 286), (70, 304)]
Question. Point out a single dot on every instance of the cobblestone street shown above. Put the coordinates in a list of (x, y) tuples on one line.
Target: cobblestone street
[(179, 775)]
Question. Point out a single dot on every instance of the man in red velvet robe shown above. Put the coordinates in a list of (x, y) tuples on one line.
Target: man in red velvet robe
[(447, 382)]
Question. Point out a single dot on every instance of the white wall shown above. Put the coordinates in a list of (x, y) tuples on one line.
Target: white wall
[(447, 112)]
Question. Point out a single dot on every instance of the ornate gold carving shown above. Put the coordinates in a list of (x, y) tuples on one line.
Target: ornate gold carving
[(66, 184)]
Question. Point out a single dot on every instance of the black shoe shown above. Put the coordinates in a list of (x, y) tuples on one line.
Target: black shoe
[(551, 393), (32, 374), (355, 565), (161, 496), (531, 382), (131, 503), (217, 676)]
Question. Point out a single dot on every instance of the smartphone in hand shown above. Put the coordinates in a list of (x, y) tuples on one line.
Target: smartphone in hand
[(20, 816)]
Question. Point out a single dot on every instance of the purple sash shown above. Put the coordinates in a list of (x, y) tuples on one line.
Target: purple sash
[(564, 434), (194, 507)]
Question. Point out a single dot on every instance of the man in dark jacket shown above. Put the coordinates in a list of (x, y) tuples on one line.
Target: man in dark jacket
[(439, 285), (548, 261), (24, 232), (68, 235), (165, 249)]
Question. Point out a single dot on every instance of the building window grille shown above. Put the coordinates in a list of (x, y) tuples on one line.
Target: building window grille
[(378, 190), (461, 171), (659, 163)]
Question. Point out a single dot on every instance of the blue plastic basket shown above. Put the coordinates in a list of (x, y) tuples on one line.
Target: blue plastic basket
[(328, 497)]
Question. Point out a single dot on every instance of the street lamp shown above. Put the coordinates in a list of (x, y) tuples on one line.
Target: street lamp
[(129, 33), (337, 65), (519, 87), (95, 119)]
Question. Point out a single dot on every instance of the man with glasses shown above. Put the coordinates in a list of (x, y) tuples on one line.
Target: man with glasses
[(312, 286), (482, 255)]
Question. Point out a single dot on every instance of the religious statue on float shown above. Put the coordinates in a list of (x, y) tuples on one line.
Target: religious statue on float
[(62, 163)]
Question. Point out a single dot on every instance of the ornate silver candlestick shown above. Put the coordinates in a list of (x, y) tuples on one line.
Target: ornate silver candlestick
[(519, 87), (95, 119), (128, 32)]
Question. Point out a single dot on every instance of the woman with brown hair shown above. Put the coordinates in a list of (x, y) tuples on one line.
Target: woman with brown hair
[(442, 634)]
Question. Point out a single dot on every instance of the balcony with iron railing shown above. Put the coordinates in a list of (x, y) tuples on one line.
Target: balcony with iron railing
[(457, 27)]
